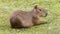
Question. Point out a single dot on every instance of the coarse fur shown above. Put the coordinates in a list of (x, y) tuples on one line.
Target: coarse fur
[(21, 18)]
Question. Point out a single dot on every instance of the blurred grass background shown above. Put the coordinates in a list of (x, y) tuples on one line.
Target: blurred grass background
[(53, 7)]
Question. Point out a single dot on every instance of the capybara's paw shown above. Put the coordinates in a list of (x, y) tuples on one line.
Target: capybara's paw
[(42, 22)]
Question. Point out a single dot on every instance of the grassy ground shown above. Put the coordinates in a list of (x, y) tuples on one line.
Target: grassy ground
[(53, 18)]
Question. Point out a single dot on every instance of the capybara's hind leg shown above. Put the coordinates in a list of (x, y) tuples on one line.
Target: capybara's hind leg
[(13, 24)]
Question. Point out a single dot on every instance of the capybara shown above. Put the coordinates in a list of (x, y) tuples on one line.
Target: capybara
[(28, 19)]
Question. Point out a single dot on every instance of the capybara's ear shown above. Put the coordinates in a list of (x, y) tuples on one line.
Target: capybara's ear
[(35, 6)]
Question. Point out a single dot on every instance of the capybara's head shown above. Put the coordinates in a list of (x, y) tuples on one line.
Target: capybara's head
[(40, 11)]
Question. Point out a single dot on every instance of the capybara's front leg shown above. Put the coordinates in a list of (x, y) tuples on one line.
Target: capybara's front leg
[(37, 21)]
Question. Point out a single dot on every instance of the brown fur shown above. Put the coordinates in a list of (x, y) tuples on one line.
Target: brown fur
[(27, 19)]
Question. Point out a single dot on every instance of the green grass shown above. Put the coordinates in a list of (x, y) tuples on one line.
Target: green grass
[(53, 7)]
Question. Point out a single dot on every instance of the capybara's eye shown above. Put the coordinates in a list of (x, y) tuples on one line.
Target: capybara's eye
[(40, 9)]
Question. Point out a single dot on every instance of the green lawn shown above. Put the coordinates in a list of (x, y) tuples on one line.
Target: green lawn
[(53, 18)]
